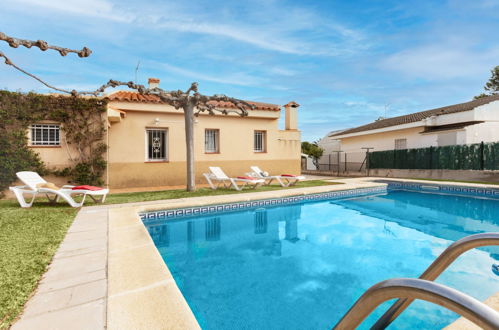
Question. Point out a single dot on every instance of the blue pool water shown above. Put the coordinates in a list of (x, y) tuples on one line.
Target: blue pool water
[(303, 266)]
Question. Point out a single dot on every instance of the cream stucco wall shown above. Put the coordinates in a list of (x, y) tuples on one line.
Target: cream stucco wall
[(126, 138), (55, 157), (128, 166)]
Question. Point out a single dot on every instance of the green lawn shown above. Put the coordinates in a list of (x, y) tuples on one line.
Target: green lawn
[(172, 194), (30, 237), (28, 240)]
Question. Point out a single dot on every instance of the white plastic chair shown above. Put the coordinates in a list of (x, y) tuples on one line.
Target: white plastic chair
[(221, 178), (283, 180), (33, 180)]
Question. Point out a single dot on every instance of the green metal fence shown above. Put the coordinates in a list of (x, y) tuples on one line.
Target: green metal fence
[(480, 156)]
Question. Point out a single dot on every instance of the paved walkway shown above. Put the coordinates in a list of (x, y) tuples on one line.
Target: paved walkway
[(72, 293)]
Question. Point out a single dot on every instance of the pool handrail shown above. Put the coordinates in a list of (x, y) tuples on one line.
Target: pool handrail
[(411, 288), (444, 260)]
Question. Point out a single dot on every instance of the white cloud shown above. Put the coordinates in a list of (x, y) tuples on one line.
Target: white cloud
[(246, 35), (240, 79), (281, 71), (268, 29), (365, 105), (91, 8), (442, 61)]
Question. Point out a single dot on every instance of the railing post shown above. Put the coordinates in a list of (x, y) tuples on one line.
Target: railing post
[(367, 159), (367, 162), (482, 160), (431, 158), (346, 162), (339, 162)]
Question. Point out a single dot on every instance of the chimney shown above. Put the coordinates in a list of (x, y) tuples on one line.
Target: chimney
[(291, 115), (153, 83)]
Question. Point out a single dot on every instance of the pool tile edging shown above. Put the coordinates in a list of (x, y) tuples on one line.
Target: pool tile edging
[(454, 188), (141, 291), (244, 205)]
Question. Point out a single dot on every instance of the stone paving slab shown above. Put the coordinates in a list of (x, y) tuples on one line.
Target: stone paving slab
[(72, 294), (87, 316), (66, 297)]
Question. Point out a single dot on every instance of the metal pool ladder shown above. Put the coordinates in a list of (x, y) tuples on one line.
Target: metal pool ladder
[(409, 289)]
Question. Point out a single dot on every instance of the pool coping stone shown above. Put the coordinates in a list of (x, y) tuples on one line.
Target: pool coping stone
[(174, 312)]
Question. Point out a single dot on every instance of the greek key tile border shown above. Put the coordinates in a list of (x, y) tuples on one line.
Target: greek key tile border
[(238, 206), (445, 189)]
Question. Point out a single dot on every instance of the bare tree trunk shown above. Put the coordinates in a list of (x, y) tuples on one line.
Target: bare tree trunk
[(189, 143)]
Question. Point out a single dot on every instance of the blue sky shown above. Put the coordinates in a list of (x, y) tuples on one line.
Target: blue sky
[(345, 62)]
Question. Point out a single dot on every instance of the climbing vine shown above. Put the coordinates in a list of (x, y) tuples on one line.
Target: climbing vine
[(81, 121)]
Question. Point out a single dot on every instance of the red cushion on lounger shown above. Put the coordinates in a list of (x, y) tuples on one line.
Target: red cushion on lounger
[(85, 187), (246, 177), (290, 175)]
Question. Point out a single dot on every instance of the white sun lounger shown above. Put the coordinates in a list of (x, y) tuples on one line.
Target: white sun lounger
[(283, 180), (218, 176), (32, 180)]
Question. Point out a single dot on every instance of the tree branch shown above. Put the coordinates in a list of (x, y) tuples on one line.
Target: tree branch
[(174, 98), (42, 45), (178, 98), (9, 62)]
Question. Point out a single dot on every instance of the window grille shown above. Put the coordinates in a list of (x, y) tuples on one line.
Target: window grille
[(156, 144), (45, 135), (400, 144), (259, 141), (211, 141)]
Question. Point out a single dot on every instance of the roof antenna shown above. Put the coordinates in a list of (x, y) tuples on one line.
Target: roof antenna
[(386, 109), (136, 70)]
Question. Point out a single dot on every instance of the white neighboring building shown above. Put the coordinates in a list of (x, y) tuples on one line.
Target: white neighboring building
[(308, 163), (465, 123), (329, 143)]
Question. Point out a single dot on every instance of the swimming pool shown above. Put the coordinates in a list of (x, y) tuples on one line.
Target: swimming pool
[(302, 266)]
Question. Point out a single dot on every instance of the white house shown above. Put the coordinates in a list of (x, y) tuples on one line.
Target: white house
[(465, 123), (307, 163), (330, 144)]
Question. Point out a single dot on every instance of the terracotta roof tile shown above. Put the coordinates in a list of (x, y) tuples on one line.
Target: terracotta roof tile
[(418, 116), (126, 96)]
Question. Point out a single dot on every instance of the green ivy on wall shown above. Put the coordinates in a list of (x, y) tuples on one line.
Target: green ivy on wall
[(81, 120)]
